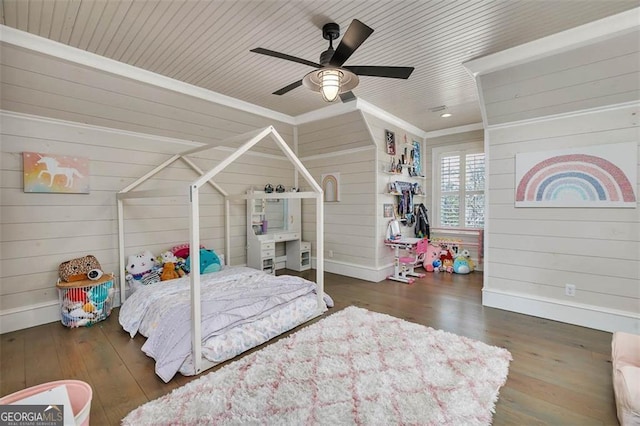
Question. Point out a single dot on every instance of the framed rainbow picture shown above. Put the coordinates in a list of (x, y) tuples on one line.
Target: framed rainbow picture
[(594, 176), (51, 173)]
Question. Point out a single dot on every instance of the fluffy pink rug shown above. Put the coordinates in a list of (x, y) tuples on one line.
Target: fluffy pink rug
[(353, 367)]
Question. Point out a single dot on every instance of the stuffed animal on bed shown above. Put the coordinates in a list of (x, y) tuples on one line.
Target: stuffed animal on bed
[(168, 256), (169, 272), (209, 262), (142, 267)]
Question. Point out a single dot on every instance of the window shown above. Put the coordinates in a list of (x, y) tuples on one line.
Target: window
[(459, 188)]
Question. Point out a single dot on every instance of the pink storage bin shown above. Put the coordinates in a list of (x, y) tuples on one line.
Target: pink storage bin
[(80, 394)]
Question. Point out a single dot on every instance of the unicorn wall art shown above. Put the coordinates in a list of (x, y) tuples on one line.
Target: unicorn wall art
[(55, 173)]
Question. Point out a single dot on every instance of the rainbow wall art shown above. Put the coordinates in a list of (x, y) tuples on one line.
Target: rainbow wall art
[(595, 176), (55, 173)]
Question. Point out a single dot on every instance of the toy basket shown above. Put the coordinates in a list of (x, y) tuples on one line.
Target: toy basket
[(80, 395), (84, 303)]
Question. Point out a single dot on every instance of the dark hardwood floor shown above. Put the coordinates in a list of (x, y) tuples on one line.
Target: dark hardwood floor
[(560, 374)]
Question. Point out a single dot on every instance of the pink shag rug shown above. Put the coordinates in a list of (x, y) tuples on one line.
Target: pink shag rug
[(353, 367)]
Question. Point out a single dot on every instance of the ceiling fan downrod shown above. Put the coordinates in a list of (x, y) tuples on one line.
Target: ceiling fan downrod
[(330, 31)]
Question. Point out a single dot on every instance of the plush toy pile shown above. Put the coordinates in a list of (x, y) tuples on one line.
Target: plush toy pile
[(443, 259), (144, 268)]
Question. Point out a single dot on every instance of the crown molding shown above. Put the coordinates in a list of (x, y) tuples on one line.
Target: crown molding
[(367, 107), (454, 130), (572, 38), (329, 111)]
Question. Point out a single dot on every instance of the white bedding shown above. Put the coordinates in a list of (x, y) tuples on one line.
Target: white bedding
[(159, 312)]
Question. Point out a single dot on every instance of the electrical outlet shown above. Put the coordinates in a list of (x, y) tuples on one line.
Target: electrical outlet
[(330, 253), (570, 289)]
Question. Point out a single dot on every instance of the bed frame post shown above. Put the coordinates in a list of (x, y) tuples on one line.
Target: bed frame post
[(194, 266), (320, 249), (122, 274), (227, 232)]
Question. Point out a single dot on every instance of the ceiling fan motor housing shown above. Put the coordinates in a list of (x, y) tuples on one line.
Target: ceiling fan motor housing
[(331, 31)]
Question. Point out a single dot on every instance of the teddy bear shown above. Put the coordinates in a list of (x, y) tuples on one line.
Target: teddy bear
[(169, 272)]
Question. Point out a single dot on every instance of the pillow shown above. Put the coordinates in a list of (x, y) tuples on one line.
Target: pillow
[(182, 250)]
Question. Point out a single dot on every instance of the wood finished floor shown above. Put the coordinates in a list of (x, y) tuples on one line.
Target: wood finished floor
[(560, 373)]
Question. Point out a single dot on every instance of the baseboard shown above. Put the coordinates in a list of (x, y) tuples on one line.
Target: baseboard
[(34, 315), (355, 271), (571, 313), (29, 316)]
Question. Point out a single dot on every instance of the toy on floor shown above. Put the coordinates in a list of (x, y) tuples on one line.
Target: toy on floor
[(432, 253), (463, 263), (446, 258)]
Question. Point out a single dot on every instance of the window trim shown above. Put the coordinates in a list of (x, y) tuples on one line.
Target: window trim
[(436, 158)]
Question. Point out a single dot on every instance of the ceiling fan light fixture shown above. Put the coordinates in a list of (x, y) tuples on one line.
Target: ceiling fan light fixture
[(330, 82)]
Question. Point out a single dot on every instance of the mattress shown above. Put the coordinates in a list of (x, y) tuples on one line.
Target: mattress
[(242, 308)]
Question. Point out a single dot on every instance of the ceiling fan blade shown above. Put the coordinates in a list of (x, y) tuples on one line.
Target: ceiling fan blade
[(347, 96), (356, 34), (285, 56), (389, 72), (288, 88)]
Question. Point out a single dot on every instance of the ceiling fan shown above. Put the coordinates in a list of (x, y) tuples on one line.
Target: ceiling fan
[(331, 78)]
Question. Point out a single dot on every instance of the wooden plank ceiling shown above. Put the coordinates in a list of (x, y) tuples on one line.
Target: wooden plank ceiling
[(207, 43)]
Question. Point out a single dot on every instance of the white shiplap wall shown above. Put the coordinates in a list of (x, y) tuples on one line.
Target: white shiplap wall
[(533, 253), (342, 145), (589, 76), (585, 96)]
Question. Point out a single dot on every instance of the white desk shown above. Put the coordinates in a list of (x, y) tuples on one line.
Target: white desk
[(403, 243)]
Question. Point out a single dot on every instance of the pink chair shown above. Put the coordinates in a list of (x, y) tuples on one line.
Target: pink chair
[(409, 263)]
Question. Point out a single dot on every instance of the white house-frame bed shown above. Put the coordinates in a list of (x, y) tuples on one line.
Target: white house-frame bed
[(252, 138)]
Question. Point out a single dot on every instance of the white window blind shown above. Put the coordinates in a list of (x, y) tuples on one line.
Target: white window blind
[(449, 189), (461, 189)]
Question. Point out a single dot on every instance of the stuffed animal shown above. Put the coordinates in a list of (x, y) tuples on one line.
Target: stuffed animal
[(169, 272), (467, 255), (168, 256), (99, 294), (437, 265), (140, 264), (209, 262), (142, 267), (447, 260), (460, 265), (433, 253)]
